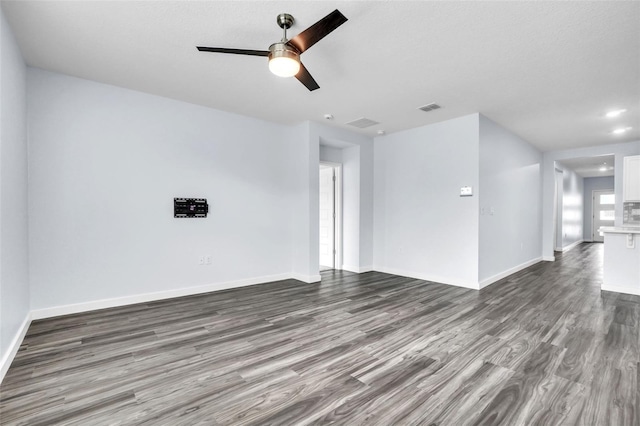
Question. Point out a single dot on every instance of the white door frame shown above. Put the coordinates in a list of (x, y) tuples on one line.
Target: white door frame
[(593, 210), (337, 205)]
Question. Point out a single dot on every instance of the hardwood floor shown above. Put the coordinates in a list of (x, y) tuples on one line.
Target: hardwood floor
[(541, 347)]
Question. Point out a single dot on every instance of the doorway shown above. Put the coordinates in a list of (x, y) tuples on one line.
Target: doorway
[(603, 204), (330, 217), (557, 210)]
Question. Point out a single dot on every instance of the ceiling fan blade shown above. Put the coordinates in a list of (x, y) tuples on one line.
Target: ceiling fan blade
[(234, 51), (305, 78), (318, 31)]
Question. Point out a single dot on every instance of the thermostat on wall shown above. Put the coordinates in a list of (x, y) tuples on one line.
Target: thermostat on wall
[(466, 191)]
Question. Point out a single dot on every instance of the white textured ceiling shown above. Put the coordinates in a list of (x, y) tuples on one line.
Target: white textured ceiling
[(547, 71)]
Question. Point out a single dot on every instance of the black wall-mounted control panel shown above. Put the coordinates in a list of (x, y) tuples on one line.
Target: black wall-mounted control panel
[(190, 207)]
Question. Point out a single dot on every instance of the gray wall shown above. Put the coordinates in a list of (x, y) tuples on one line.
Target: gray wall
[(105, 164), (14, 274), (590, 185), (510, 185), (423, 228)]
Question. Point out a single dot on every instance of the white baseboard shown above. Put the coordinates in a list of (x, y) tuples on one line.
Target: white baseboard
[(12, 350), (351, 268), (501, 275), (429, 277), (549, 258), (571, 246), (149, 297), (357, 269), (306, 278), (625, 290)]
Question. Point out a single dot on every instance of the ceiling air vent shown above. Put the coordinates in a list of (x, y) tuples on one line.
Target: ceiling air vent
[(429, 107), (361, 123)]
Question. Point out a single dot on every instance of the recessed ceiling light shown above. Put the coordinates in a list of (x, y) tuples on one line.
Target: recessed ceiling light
[(381, 132), (615, 113), (603, 169), (620, 130), (328, 116)]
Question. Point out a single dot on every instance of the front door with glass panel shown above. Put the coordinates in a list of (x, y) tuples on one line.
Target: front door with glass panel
[(604, 212)]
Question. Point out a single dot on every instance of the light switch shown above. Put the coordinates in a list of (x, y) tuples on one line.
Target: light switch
[(466, 191)]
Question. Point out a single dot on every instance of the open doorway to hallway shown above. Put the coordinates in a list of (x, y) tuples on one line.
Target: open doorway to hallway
[(330, 218), (558, 210), (585, 200)]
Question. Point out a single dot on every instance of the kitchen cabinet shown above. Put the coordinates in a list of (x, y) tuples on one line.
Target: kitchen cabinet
[(631, 179)]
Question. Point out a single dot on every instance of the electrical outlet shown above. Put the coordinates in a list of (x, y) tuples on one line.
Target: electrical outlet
[(207, 259), (201, 260)]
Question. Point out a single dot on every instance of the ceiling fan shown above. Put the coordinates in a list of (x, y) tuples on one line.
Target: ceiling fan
[(284, 56)]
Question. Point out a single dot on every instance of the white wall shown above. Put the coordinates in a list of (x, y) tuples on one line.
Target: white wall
[(510, 196), (549, 157), (351, 209), (423, 228), (305, 220), (559, 185), (590, 185), (572, 206), (14, 273), (331, 154), (105, 164)]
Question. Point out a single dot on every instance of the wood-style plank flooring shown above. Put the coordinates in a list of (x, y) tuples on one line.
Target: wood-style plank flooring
[(541, 347)]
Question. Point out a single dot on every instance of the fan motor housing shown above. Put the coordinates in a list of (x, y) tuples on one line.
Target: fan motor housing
[(283, 50)]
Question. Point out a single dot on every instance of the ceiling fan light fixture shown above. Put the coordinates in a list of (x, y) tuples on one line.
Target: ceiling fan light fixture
[(284, 56), (284, 61)]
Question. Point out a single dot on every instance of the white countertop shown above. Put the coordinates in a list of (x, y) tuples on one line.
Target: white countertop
[(620, 229)]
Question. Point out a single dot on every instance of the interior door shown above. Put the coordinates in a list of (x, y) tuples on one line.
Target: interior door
[(604, 212), (327, 215)]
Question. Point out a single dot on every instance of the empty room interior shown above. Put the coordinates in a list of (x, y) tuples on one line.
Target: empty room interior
[(288, 213)]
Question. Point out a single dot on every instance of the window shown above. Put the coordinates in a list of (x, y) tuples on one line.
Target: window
[(607, 199), (607, 215)]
